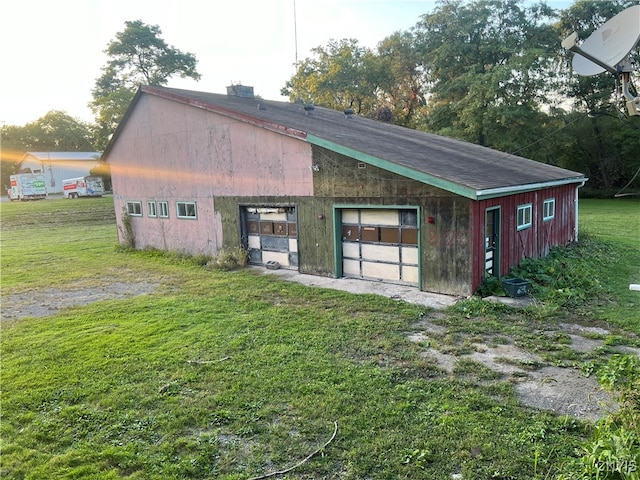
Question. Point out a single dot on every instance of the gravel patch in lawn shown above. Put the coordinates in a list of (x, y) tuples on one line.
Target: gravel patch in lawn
[(563, 390), (42, 303)]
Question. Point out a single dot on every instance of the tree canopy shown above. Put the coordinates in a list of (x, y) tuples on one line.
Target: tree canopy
[(138, 56), (491, 72)]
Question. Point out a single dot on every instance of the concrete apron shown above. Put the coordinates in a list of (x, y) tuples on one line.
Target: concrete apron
[(358, 286)]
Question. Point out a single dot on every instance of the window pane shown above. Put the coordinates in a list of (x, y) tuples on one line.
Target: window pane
[(409, 218), (164, 209), (549, 208), (186, 209), (134, 208), (523, 216)]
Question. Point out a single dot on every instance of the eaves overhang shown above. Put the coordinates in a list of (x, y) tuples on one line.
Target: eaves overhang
[(530, 187), (439, 182)]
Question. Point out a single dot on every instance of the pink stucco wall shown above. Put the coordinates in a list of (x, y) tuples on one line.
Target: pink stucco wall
[(172, 152)]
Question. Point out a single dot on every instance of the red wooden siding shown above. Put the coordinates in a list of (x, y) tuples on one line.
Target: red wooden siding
[(532, 242)]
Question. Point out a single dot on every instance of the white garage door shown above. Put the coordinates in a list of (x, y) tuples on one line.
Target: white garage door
[(272, 235), (380, 244)]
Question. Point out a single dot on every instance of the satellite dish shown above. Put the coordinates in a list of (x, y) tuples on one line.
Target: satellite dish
[(608, 45), (607, 49)]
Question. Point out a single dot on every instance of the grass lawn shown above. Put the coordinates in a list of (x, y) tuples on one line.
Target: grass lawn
[(233, 375), (616, 222)]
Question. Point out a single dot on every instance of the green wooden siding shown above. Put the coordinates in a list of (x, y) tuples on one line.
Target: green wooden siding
[(446, 253)]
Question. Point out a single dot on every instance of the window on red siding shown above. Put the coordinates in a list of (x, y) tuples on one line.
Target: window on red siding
[(549, 209), (524, 216)]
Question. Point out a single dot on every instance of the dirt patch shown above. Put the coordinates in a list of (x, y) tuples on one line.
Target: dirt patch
[(41, 303), (563, 390)]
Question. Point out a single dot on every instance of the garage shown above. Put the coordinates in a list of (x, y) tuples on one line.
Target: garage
[(271, 236), (381, 244)]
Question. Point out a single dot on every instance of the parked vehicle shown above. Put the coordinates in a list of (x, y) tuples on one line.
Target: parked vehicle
[(89, 186), (27, 186)]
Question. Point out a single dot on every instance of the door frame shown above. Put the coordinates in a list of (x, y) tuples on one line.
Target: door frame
[(337, 232), (497, 220)]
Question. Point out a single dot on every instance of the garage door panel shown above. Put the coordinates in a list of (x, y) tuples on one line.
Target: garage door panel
[(254, 241), (385, 253), (385, 271), (379, 217), (281, 257), (350, 216), (409, 255), (274, 216), (409, 274), (351, 250), (274, 244), (351, 268)]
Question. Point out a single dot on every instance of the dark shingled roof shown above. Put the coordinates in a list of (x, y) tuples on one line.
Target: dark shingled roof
[(461, 167)]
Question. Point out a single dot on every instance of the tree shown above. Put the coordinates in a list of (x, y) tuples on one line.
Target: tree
[(137, 56), (57, 132), (402, 87), (342, 75), (483, 60)]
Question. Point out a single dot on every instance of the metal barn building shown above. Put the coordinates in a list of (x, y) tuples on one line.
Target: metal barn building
[(58, 166), (329, 193)]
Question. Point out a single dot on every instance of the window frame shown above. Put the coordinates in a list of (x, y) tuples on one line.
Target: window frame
[(186, 204), (152, 209), (526, 208), (548, 204), (163, 209), (131, 211)]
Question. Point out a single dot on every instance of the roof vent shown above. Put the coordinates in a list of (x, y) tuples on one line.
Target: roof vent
[(349, 113), (240, 91), (262, 106), (309, 108)]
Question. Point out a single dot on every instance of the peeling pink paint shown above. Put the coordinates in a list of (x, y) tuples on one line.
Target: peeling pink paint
[(172, 152)]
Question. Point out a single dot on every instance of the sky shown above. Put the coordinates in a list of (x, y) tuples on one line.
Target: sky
[(52, 51)]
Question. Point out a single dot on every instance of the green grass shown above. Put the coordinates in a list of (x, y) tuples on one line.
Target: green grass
[(615, 220), (617, 223), (232, 374)]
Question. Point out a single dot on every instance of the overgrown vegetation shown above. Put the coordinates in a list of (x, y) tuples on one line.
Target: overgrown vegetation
[(232, 374), (569, 277), (229, 259), (614, 450), (126, 230)]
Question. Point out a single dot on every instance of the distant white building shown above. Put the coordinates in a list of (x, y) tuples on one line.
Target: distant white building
[(58, 166)]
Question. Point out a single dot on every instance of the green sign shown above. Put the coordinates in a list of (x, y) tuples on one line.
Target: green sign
[(38, 184)]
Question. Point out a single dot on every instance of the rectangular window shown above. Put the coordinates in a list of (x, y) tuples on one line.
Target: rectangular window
[(134, 209), (186, 210), (524, 216), (151, 209), (549, 209), (163, 209)]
